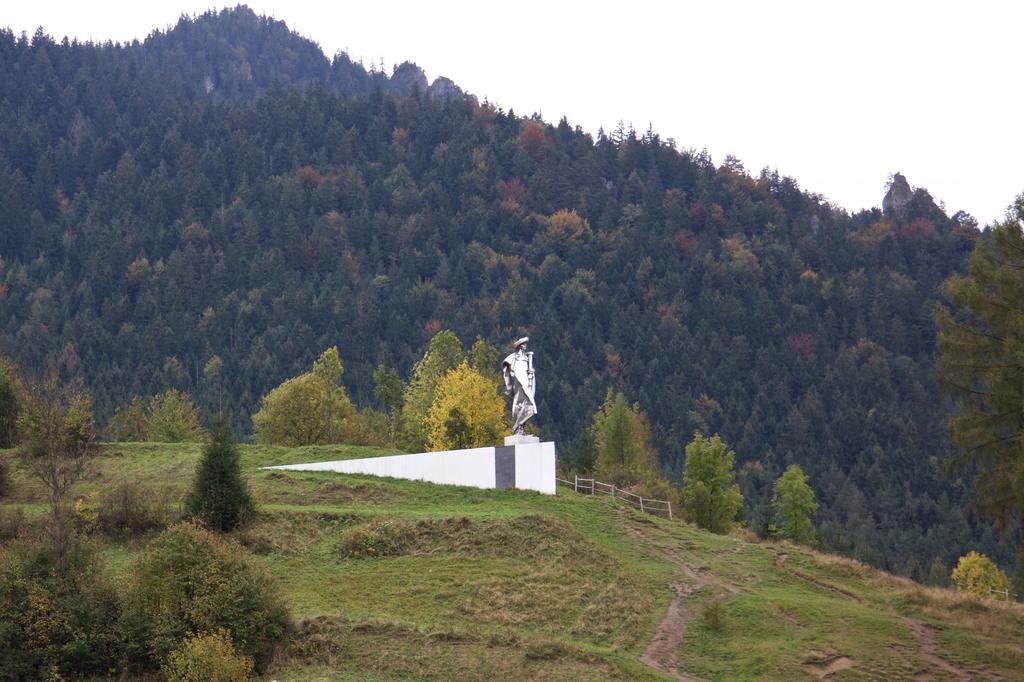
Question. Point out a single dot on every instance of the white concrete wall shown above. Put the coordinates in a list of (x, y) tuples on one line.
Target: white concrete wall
[(535, 467), (473, 467)]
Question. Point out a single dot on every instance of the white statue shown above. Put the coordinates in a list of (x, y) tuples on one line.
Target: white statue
[(517, 370)]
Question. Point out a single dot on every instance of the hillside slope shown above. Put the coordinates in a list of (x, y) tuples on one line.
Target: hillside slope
[(400, 580), (224, 190)]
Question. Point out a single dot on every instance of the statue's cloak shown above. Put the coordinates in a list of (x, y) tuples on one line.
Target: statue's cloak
[(517, 367)]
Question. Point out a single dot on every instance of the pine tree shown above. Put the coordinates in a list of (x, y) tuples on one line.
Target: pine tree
[(219, 495)]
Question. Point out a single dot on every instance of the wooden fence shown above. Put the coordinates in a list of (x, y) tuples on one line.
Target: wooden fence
[(1004, 595), (590, 486)]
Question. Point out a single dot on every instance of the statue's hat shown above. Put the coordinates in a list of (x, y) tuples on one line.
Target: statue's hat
[(521, 342)]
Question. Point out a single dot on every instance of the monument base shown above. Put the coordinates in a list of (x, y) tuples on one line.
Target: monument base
[(521, 439), (526, 465)]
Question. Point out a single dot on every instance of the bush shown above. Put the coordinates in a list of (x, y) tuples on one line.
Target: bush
[(975, 573), (207, 658), (5, 479), (129, 508), (123, 510), (56, 624), (219, 495), (714, 615), (191, 581), (378, 539), (12, 524)]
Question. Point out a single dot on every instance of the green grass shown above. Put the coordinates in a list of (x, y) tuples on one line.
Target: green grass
[(391, 579)]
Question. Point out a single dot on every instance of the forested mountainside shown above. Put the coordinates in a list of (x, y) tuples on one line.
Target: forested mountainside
[(224, 189)]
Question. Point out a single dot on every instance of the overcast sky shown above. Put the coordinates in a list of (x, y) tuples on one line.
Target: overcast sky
[(835, 95)]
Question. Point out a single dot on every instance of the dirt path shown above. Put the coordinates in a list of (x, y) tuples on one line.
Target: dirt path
[(662, 653), (925, 635), (927, 649), (828, 665)]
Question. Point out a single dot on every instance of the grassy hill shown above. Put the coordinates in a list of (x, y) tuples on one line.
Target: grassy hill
[(401, 580)]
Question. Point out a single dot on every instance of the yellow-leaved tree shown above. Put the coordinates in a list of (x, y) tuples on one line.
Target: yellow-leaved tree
[(977, 574), (467, 411)]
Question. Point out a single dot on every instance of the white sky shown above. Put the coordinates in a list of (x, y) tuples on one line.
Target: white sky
[(836, 96)]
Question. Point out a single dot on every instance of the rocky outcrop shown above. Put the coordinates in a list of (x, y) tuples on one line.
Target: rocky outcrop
[(898, 197), (408, 78), (444, 88)]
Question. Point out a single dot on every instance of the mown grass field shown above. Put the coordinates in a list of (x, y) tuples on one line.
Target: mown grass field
[(391, 580)]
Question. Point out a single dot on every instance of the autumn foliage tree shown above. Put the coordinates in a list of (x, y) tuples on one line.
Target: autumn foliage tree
[(467, 411), (443, 354), (977, 574)]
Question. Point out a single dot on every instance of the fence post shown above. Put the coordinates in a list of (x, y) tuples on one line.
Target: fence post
[(613, 491), (641, 504), (576, 482), (669, 503)]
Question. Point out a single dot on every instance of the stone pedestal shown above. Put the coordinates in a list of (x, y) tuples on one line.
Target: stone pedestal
[(521, 439)]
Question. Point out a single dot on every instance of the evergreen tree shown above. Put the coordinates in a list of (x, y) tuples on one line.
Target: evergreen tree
[(622, 441), (982, 366), (793, 504), (711, 497), (219, 496)]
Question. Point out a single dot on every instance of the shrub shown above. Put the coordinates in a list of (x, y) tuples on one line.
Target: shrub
[(12, 524), (207, 658), (191, 581), (977, 574), (219, 495), (125, 509), (129, 508), (5, 479), (377, 539), (56, 623), (714, 615)]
